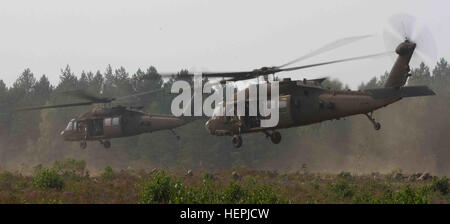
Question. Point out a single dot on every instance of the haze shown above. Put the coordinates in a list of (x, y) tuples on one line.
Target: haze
[(229, 35)]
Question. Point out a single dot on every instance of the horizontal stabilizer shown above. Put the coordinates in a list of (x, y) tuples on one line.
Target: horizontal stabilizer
[(406, 91)]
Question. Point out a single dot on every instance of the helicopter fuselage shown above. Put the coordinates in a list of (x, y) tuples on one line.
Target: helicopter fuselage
[(107, 123), (302, 104)]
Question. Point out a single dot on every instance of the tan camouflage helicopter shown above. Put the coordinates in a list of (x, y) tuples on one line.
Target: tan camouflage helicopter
[(306, 102), (103, 123)]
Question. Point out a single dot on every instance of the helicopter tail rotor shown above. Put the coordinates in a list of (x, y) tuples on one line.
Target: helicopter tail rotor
[(403, 27)]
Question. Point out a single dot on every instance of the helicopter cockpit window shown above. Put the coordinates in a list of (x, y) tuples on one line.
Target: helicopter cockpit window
[(219, 110), (115, 121), (282, 103), (70, 125), (107, 122)]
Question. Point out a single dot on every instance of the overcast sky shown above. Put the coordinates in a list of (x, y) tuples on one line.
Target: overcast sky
[(226, 35)]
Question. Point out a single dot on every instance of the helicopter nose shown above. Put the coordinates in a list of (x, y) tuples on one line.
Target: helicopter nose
[(62, 133)]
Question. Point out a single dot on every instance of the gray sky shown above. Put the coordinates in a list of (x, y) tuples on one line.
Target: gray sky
[(226, 35)]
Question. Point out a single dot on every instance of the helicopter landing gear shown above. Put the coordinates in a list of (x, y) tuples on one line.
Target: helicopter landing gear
[(237, 141), (274, 136), (83, 145), (376, 125), (106, 144)]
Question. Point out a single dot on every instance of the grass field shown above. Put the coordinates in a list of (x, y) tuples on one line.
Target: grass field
[(69, 181)]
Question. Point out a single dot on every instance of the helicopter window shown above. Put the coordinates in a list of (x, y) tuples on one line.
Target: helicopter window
[(107, 122), (69, 126), (115, 121), (218, 111), (283, 103)]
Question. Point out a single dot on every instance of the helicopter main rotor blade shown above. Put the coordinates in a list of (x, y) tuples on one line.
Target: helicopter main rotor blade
[(236, 76), (51, 106), (87, 96), (138, 95), (335, 61), (328, 47)]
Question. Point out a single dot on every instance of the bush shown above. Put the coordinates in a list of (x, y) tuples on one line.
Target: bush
[(234, 194), (254, 194), (206, 193), (440, 185), (345, 174), (410, 196), (407, 195), (6, 179), (161, 188), (263, 194), (47, 178), (208, 177), (108, 173), (343, 188)]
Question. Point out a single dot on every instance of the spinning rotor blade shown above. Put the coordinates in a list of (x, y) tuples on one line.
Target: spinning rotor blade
[(426, 43), (51, 106), (403, 26), (335, 61), (87, 96), (236, 76), (84, 95), (136, 97), (326, 48), (242, 75)]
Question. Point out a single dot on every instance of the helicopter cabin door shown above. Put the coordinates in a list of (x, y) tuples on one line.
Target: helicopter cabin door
[(112, 126), (95, 127)]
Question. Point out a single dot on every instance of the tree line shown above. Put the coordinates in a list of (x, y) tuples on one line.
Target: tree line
[(32, 137)]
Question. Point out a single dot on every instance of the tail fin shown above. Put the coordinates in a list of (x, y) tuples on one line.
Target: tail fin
[(400, 71)]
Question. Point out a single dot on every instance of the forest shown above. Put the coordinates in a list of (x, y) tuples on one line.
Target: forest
[(414, 136)]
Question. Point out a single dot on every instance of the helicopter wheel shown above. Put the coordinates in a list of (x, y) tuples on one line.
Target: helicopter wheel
[(83, 145), (376, 125), (237, 141), (275, 137), (107, 144)]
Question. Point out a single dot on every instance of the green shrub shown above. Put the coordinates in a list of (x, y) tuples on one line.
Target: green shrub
[(406, 195), (6, 179), (440, 185), (5, 175), (161, 188), (345, 174), (234, 194), (208, 177), (108, 173), (207, 193), (47, 178), (263, 194), (342, 188)]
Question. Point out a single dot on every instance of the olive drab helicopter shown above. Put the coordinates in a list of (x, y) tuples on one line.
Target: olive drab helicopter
[(304, 102), (105, 122)]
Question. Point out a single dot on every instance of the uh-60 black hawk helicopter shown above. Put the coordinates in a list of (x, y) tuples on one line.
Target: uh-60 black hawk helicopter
[(307, 101), (105, 122)]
